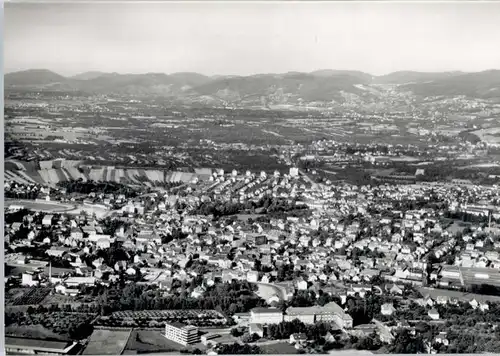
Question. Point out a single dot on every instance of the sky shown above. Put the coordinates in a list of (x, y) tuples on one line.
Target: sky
[(251, 37)]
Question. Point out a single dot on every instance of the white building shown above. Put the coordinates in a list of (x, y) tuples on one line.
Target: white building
[(266, 316), (47, 220), (181, 333), (294, 172)]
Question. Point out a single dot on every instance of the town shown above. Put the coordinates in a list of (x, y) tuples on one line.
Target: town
[(273, 262), (238, 178)]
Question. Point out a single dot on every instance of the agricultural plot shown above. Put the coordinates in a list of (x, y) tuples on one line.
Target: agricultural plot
[(59, 323), (11, 176), (32, 297), (281, 348), (146, 341), (107, 342), (158, 318)]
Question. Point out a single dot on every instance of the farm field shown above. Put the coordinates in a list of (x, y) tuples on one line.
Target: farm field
[(102, 174), (48, 207), (31, 296), (57, 207), (282, 348), (107, 342), (158, 318), (490, 135), (32, 332), (142, 341), (60, 323)]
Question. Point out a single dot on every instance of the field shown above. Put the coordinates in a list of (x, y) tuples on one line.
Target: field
[(58, 322), (31, 297), (31, 332), (107, 342), (57, 207), (490, 135), (282, 348), (100, 174), (350, 352), (143, 341), (158, 318), (48, 207)]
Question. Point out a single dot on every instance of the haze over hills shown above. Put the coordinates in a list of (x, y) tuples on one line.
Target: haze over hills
[(321, 85)]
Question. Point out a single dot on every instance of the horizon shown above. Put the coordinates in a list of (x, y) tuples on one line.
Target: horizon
[(244, 39), (247, 75)]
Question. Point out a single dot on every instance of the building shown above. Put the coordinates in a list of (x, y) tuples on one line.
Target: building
[(387, 309), (298, 338), (327, 313), (210, 339), (433, 314), (294, 172), (307, 315), (181, 333), (266, 316), (47, 220), (19, 345), (256, 329)]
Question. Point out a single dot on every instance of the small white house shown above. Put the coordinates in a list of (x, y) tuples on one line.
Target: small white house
[(433, 314), (387, 309)]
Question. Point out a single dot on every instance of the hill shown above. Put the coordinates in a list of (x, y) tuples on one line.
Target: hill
[(319, 86), (405, 77), (33, 77), (484, 84), (365, 77), (91, 75), (293, 85)]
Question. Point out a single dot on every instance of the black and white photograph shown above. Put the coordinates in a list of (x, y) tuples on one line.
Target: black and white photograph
[(251, 177)]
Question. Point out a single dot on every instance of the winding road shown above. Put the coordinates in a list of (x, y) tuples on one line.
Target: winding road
[(266, 290)]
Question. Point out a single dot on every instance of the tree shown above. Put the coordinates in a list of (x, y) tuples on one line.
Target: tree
[(236, 332), (405, 343)]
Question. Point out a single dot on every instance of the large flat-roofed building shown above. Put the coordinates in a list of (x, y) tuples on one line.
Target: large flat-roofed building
[(470, 275), (182, 334), (330, 312), (340, 317), (307, 315), (266, 316), (19, 345)]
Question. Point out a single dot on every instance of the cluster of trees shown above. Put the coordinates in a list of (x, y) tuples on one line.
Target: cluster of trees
[(229, 298), (406, 343), (16, 216), (308, 299), (113, 254), (176, 234), (81, 187), (474, 339), (266, 204), (110, 226), (25, 194), (363, 310), (219, 208), (238, 349), (462, 215), (76, 326), (284, 329)]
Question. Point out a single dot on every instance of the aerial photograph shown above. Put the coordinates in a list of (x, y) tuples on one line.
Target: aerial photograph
[(251, 178)]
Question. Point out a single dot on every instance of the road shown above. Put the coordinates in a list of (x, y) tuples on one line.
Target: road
[(221, 331), (306, 177), (266, 290), (58, 207), (43, 206), (269, 342)]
